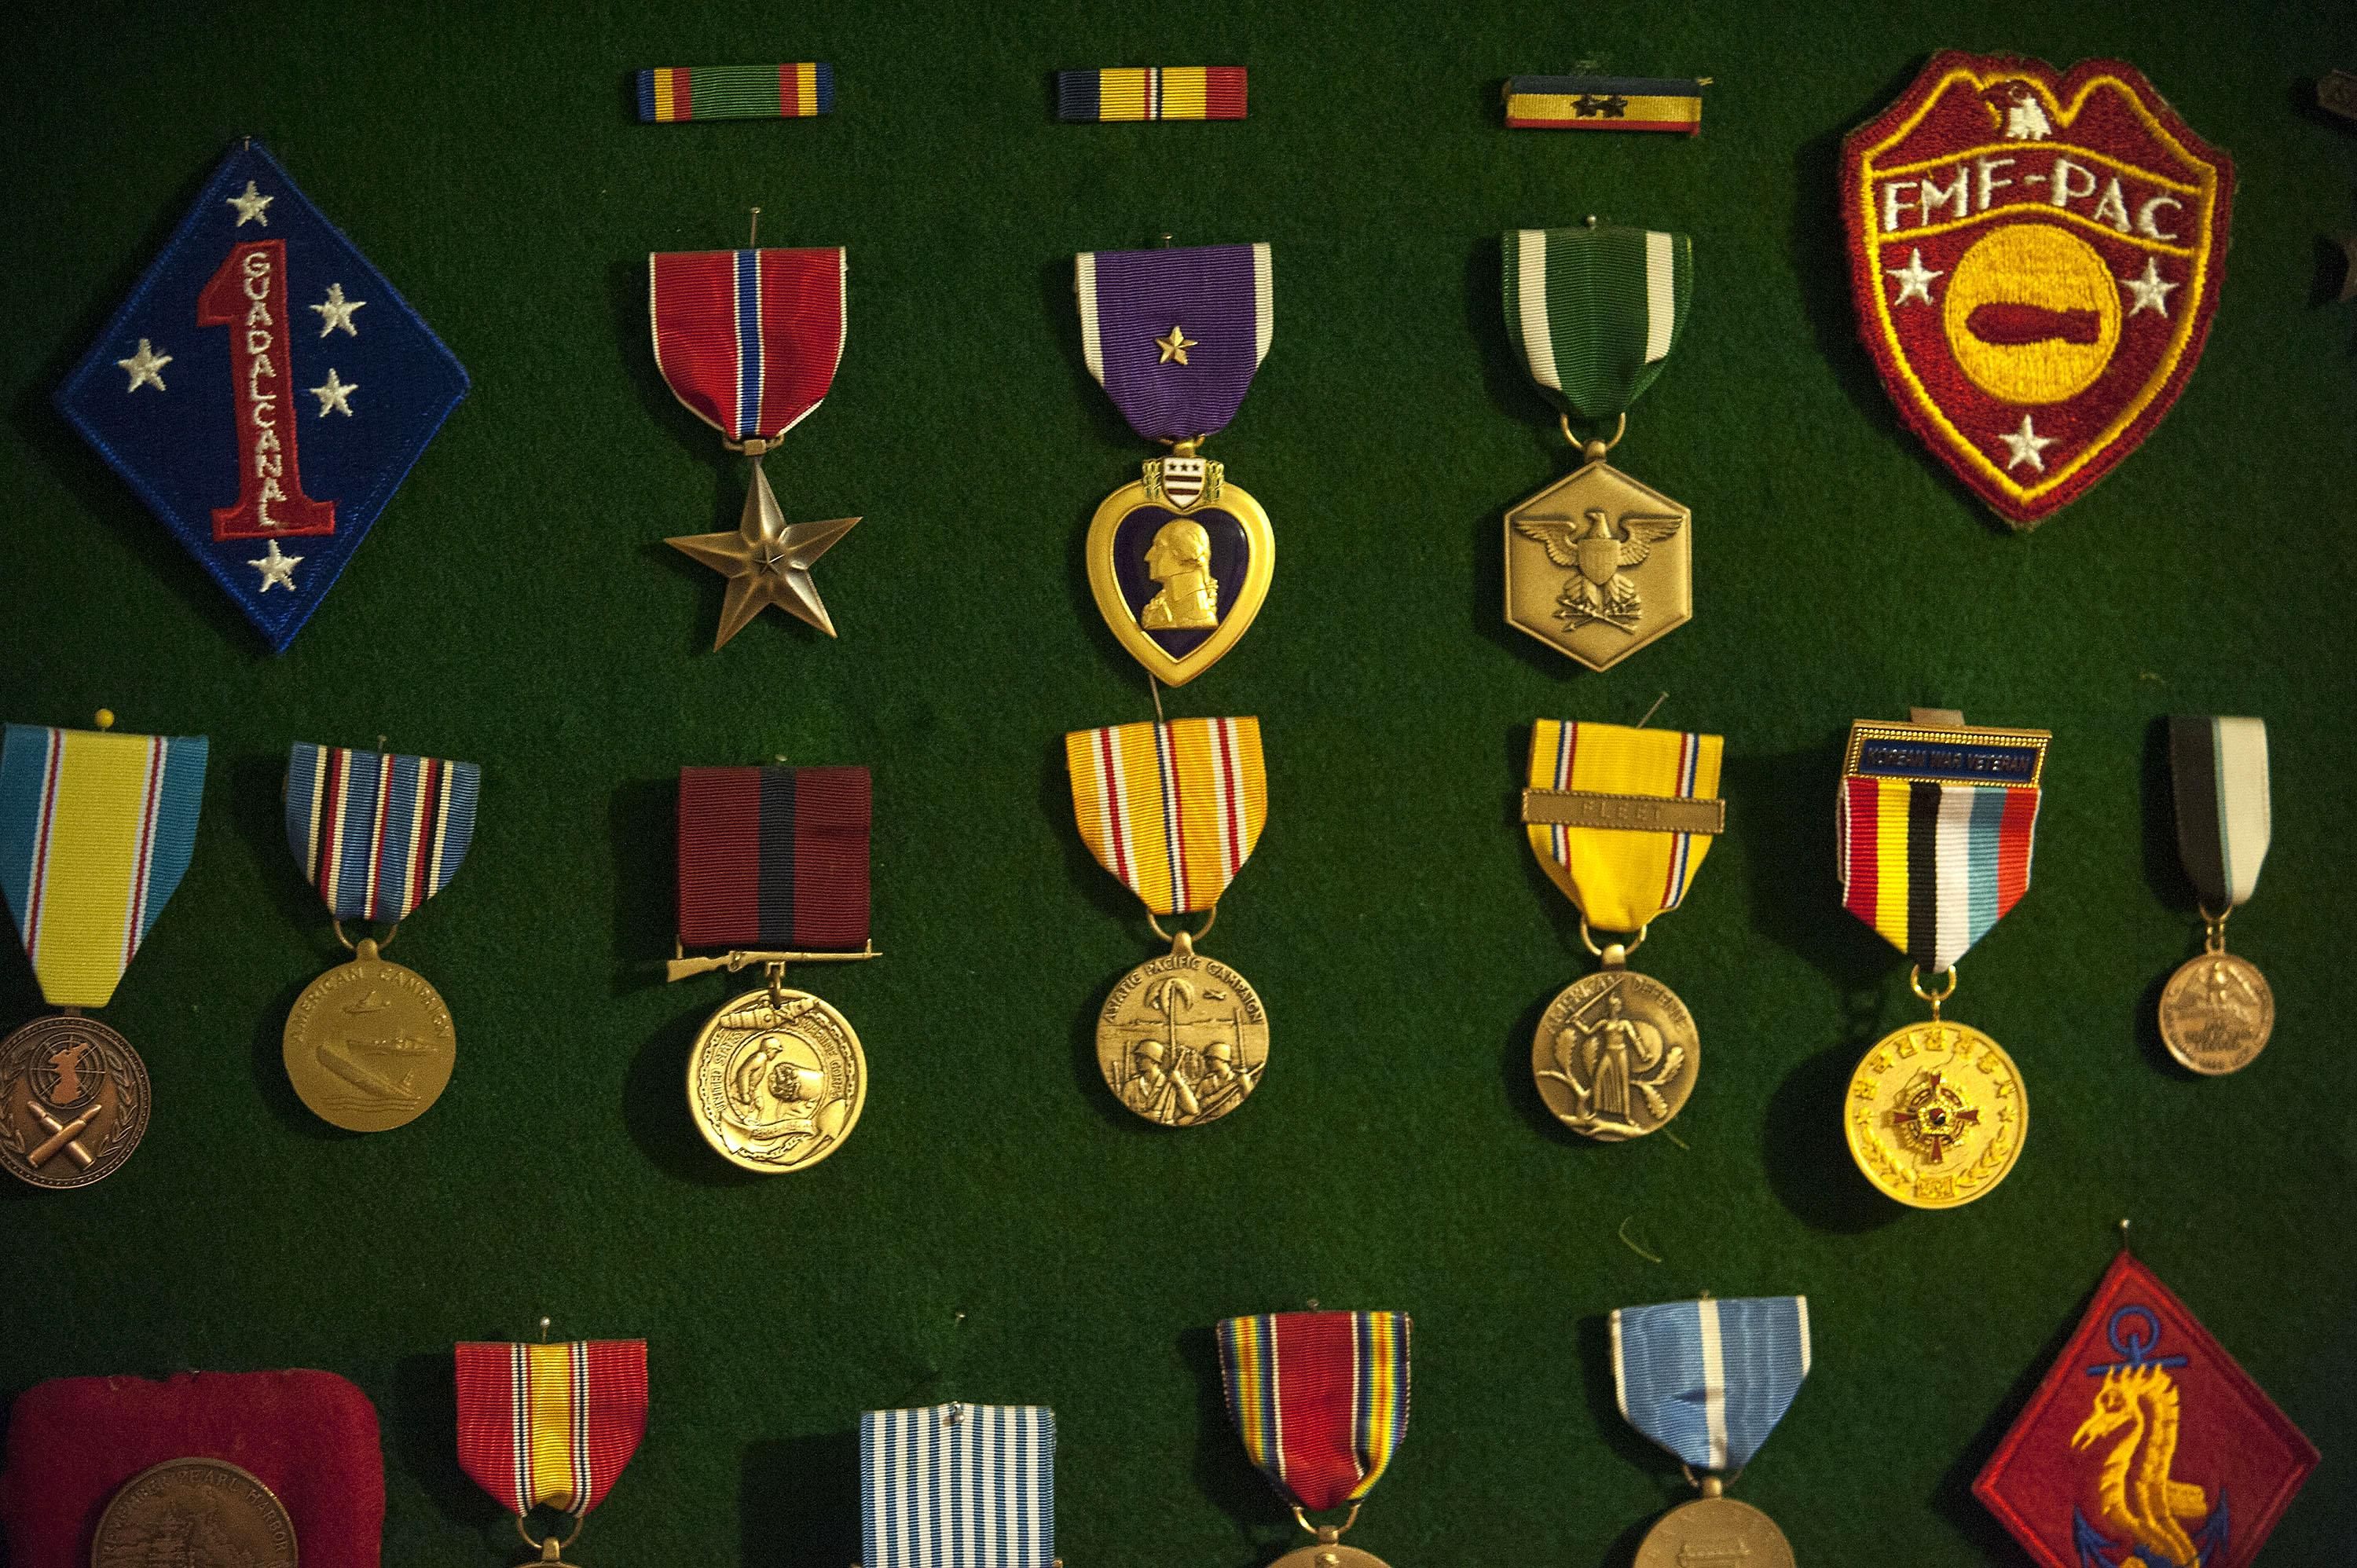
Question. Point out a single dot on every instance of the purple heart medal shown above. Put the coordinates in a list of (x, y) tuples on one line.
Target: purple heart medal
[(1180, 560)]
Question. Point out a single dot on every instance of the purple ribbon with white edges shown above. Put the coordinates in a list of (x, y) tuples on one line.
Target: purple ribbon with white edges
[(1174, 335)]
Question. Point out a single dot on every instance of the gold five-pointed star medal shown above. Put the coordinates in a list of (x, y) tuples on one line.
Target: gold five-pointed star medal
[(767, 562), (1174, 347)]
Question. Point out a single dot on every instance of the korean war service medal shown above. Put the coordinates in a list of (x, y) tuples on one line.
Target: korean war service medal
[(958, 1486), (1597, 565), (369, 1045), (2036, 257), (2217, 1011), (95, 830), (1180, 561), (773, 866), (1173, 809), (749, 342), (1320, 1401), (1708, 1380), (264, 391), (551, 1427), (1620, 820), (2144, 1445), (1934, 823)]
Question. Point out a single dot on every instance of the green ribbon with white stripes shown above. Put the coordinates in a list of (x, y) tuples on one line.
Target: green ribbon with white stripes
[(1596, 310)]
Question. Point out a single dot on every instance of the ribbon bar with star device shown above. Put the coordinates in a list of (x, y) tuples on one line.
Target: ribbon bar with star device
[(1605, 103), (958, 1486)]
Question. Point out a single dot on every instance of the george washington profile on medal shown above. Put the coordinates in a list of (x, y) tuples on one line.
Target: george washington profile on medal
[(1180, 560)]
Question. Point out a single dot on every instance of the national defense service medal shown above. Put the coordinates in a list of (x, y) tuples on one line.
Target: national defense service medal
[(1180, 563)]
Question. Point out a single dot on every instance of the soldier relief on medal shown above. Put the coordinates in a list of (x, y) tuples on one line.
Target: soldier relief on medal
[(1182, 1040)]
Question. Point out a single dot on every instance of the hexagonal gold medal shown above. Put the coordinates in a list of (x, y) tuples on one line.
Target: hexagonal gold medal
[(1597, 565)]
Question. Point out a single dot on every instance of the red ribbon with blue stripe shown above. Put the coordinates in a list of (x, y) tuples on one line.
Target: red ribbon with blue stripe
[(747, 340)]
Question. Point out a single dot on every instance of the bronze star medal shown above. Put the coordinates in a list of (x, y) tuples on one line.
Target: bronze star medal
[(766, 560)]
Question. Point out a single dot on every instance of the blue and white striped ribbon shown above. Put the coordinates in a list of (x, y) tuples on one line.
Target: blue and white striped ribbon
[(378, 833), (958, 1486), (1710, 1380)]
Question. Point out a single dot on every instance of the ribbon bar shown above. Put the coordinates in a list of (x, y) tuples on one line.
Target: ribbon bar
[(1151, 93), (958, 1486), (794, 90), (549, 1424), (1605, 102), (1710, 1380), (774, 857), (2218, 770), (1319, 1399), (1637, 813), (378, 834)]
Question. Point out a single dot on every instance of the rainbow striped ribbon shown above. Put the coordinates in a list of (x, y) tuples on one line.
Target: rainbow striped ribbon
[(794, 90), (551, 1424), (377, 833), (1173, 810), (1152, 93), (1621, 877), (1319, 1399), (95, 831)]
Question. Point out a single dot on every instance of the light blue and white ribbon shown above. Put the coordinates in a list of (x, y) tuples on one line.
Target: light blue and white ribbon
[(1710, 1380), (958, 1486)]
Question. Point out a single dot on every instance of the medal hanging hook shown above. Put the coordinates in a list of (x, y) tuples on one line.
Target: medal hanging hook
[(1327, 1534), (1614, 954), (1181, 940), (550, 1545), (368, 947), (2213, 934), (1593, 451), (1915, 984)]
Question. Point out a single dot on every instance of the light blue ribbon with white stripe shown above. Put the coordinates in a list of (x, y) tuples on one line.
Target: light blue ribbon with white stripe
[(1710, 1380), (958, 1486)]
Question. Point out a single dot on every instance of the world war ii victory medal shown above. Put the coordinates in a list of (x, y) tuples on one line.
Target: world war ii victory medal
[(264, 391), (1320, 1401), (2217, 1011)]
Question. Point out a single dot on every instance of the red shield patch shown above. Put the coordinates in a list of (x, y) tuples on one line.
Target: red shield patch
[(2036, 259), (2145, 1443)]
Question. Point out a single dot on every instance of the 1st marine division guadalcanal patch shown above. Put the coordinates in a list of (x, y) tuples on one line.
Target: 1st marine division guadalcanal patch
[(2035, 258)]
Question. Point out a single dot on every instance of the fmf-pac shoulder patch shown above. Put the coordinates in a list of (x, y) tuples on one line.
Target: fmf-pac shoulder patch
[(2036, 259), (264, 391)]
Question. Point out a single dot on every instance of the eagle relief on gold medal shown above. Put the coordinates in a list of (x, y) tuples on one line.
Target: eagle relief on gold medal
[(1181, 1040), (2216, 1012), (1937, 1114), (369, 1046), (1597, 565), (73, 1102), (194, 1513), (776, 1083), (1615, 1055)]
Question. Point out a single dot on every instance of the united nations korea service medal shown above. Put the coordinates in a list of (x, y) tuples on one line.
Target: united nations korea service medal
[(1320, 1401), (2217, 1011)]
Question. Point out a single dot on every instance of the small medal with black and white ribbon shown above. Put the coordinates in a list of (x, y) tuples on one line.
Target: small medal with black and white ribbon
[(2217, 1011)]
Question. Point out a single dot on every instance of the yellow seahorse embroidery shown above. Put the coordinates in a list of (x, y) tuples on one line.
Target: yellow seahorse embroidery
[(2138, 1495)]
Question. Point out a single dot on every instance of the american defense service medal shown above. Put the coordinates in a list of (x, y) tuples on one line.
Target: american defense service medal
[(264, 391), (2036, 256), (1173, 809), (1180, 561), (958, 1486), (95, 831), (749, 342), (369, 1046), (1935, 824), (1320, 1401), (194, 1511), (773, 866), (1708, 1380), (1621, 820), (2216, 1012), (1598, 565), (549, 1428)]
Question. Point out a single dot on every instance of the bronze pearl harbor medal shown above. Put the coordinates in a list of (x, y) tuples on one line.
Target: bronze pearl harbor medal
[(774, 866), (370, 1046), (194, 1511), (2216, 1011), (1174, 810), (1598, 565), (1621, 820), (1320, 1401), (1934, 823), (95, 831)]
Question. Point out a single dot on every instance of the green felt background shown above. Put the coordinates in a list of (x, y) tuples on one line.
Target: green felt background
[(516, 607)]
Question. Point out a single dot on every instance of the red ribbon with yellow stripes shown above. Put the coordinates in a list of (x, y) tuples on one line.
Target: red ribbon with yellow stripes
[(551, 1424)]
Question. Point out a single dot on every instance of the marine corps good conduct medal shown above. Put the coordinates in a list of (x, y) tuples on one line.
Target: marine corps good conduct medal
[(95, 830), (1180, 561), (958, 1486), (194, 1511), (1934, 823), (774, 866), (1173, 809), (369, 1044), (1708, 1380), (2217, 1011), (550, 1427), (1620, 820), (1597, 565), (1320, 1401)]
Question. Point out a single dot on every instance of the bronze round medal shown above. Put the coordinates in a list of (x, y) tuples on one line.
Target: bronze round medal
[(775, 1080), (369, 1045), (73, 1102), (1615, 1055), (1936, 1114), (1325, 1554), (1182, 1040), (195, 1512), (1715, 1529), (2216, 1014)]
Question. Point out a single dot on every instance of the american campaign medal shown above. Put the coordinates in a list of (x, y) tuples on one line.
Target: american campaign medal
[(749, 342), (1320, 1401), (2216, 1012), (369, 1046), (1935, 824), (1180, 561), (774, 866), (2036, 256), (202, 1512), (1173, 809), (1598, 565), (958, 1486), (1621, 820), (550, 1428), (95, 831)]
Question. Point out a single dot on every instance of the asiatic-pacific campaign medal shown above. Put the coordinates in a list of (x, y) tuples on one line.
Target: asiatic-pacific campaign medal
[(1620, 820), (1180, 561), (1935, 824), (545, 1426), (369, 1045), (773, 866), (265, 390), (958, 1486), (1173, 809), (749, 342), (194, 1510), (95, 830), (1320, 1401), (1597, 565), (2036, 257), (1708, 1380), (2217, 1011)]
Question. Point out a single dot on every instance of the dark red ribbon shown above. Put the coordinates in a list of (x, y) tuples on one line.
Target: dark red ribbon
[(774, 857)]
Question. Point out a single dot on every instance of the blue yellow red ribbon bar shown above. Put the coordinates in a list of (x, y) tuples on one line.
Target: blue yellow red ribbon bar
[(377, 833), (549, 1424), (1605, 102), (793, 90), (1319, 1399), (774, 857), (1152, 93)]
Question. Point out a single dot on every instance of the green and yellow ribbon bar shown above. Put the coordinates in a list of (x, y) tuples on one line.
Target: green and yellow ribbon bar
[(1605, 103), (794, 90)]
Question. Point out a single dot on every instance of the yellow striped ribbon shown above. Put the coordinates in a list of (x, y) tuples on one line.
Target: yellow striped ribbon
[(1172, 810), (1621, 877)]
